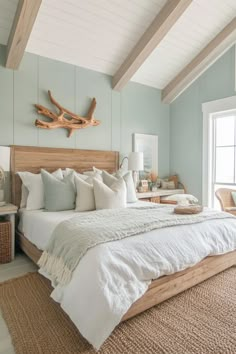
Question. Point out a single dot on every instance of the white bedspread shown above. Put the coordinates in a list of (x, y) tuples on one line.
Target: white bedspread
[(38, 225), (111, 276)]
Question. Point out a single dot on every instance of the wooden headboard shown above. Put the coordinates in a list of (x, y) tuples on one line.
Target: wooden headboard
[(32, 159)]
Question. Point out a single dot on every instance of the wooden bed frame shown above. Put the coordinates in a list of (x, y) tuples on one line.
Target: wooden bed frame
[(32, 159)]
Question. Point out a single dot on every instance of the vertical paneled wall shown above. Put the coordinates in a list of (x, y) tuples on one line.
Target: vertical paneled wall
[(186, 120), (137, 109)]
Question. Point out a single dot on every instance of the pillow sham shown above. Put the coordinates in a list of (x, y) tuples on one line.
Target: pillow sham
[(70, 170), (181, 198), (24, 196), (167, 184), (85, 200), (94, 174), (32, 193), (86, 177), (59, 194), (110, 197), (95, 169), (128, 178), (234, 197), (108, 179)]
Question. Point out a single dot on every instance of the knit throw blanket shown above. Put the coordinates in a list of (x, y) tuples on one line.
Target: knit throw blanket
[(73, 237)]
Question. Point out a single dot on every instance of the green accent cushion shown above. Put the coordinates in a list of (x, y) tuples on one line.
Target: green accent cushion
[(58, 194), (234, 197)]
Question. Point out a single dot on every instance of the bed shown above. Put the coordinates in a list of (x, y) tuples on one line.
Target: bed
[(32, 159)]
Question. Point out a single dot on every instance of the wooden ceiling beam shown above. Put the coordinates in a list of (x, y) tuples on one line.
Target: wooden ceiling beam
[(25, 17), (161, 25), (216, 48)]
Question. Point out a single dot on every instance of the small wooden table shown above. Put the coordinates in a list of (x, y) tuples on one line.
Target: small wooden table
[(9, 211), (155, 197)]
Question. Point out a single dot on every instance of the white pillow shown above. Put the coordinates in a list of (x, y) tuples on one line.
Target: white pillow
[(86, 176), (181, 197), (34, 184), (128, 178), (69, 170), (95, 169), (24, 196), (167, 184), (85, 199), (110, 197), (108, 179), (94, 174)]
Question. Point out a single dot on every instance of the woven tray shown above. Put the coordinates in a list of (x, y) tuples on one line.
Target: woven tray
[(190, 209), (5, 242)]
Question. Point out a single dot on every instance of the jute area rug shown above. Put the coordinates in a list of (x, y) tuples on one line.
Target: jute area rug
[(201, 320)]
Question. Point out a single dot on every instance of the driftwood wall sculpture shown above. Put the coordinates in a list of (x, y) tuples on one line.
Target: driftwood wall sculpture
[(64, 118)]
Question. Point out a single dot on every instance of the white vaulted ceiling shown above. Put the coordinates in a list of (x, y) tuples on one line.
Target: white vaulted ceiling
[(99, 34), (198, 25), (96, 34)]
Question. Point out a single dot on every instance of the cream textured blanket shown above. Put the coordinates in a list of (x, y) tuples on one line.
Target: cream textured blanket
[(73, 237)]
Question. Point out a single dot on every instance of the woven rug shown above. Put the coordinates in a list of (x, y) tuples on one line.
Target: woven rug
[(201, 320)]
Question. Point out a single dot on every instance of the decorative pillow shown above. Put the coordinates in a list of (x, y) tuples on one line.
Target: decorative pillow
[(33, 192), (24, 196), (59, 194), (86, 177), (70, 170), (108, 179), (95, 169), (128, 178), (94, 174), (110, 197), (234, 196), (85, 199), (167, 184), (181, 198)]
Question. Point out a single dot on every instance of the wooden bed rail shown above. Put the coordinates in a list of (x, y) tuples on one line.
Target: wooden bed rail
[(165, 287)]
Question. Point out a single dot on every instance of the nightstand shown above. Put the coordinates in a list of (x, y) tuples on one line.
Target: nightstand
[(9, 211), (155, 197)]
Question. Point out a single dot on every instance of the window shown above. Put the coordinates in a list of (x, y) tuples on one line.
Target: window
[(223, 166), (218, 147)]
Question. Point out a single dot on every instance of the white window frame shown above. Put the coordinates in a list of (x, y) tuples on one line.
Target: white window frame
[(210, 109)]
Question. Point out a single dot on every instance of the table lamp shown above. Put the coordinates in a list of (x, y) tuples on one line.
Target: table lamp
[(135, 164), (4, 167)]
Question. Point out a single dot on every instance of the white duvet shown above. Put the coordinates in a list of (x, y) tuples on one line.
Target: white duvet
[(111, 276)]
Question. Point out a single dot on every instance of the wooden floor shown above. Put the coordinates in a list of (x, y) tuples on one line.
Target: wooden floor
[(20, 266)]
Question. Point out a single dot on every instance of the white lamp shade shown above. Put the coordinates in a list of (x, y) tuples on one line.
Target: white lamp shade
[(136, 161), (5, 158)]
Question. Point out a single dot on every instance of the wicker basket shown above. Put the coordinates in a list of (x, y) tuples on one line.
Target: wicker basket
[(5, 242), (190, 209)]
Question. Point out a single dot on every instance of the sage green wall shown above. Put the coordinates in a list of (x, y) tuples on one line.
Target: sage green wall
[(138, 109), (186, 120)]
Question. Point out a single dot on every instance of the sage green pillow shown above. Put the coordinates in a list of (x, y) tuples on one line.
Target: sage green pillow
[(234, 197), (59, 194)]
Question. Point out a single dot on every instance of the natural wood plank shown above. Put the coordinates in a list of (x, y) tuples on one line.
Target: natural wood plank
[(25, 17), (32, 159), (166, 287), (27, 247), (161, 25), (201, 62), (159, 193), (8, 209)]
